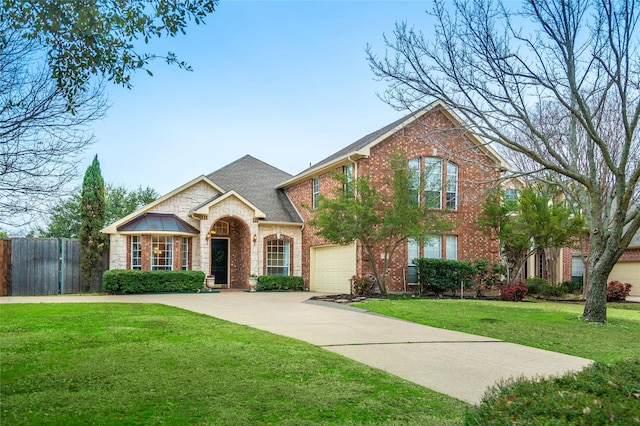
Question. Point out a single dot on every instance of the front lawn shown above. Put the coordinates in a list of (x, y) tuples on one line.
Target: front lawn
[(553, 326), (607, 392), (107, 364)]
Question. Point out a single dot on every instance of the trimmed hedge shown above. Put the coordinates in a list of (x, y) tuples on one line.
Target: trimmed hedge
[(117, 281), (280, 282), (440, 275)]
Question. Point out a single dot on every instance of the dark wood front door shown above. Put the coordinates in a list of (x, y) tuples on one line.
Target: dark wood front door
[(220, 260)]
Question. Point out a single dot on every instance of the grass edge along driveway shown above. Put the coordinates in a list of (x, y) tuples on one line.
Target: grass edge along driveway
[(557, 327), (153, 364)]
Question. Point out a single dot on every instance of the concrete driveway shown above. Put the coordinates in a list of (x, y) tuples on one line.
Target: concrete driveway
[(457, 364)]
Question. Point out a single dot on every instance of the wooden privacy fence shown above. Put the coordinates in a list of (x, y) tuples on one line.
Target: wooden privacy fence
[(43, 266)]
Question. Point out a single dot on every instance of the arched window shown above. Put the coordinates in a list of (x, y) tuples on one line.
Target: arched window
[(221, 227)]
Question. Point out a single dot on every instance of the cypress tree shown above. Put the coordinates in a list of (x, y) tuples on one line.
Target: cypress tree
[(92, 242)]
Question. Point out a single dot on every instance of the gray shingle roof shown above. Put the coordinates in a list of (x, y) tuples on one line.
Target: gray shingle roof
[(361, 143), (256, 181)]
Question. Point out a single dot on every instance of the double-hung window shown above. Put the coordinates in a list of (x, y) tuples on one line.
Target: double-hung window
[(577, 268), (414, 180), (413, 250), (451, 247), (452, 186), (433, 183), (278, 257), (316, 192), (185, 253), (348, 179), (161, 253), (433, 247), (136, 252)]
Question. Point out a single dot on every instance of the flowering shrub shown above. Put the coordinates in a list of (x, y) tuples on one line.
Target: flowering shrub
[(513, 291), (361, 286), (617, 291)]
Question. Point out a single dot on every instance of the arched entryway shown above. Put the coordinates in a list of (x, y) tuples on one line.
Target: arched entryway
[(230, 252)]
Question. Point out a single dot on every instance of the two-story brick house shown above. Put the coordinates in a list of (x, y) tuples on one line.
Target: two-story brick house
[(249, 217)]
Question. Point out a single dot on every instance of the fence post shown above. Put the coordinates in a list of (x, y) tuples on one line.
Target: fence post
[(63, 264)]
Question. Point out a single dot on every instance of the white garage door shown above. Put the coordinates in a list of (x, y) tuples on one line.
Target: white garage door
[(627, 272), (332, 267)]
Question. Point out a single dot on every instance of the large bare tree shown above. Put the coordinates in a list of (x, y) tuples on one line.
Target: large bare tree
[(54, 56), (557, 81), (40, 140)]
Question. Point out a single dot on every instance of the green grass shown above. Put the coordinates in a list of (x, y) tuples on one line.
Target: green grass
[(553, 326), (601, 394), (133, 364)]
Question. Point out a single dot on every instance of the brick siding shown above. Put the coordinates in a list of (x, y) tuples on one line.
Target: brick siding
[(432, 136)]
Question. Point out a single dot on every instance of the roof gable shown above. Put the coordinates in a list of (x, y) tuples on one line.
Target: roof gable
[(362, 147), (256, 182), (113, 228)]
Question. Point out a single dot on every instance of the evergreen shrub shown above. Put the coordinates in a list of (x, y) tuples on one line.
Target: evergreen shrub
[(118, 281), (440, 275), (280, 282)]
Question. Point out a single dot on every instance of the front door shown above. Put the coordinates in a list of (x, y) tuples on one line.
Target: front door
[(220, 260)]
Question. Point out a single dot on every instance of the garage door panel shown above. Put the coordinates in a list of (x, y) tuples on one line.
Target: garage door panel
[(333, 268), (627, 272)]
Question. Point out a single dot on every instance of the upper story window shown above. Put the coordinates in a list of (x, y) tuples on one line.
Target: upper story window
[(161, 253), (433, 183), (452, 186), (440, 183), (414, 180), (316, 192), (348, 179), (511, 194), (136, 252)]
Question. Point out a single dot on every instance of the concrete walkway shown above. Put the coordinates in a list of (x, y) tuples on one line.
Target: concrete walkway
[(457, 364)]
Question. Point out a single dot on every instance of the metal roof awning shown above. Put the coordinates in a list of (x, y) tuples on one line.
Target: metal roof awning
[(158, 223)]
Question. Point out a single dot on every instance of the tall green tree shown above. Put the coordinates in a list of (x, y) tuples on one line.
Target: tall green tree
[(380, 217), (64, 221), (558, 82), (92, 242), (539, 219)]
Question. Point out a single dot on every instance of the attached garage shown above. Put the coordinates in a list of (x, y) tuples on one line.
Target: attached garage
[(627, 272), (332, 267)]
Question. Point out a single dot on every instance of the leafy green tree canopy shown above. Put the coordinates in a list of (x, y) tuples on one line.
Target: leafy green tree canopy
[(83, 38), (538, 219), (380, 217), (119, 202)]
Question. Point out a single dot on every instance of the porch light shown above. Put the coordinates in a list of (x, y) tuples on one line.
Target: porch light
[(255, 238)]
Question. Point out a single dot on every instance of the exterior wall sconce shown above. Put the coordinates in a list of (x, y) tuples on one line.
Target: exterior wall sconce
[(210, 234), (255, 238)]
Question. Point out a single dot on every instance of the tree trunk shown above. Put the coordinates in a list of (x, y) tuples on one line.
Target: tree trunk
[(595, 307), (551, 255), (601, 261)]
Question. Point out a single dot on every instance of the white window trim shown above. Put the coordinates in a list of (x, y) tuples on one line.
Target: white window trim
[(167, 243), (286, 256)]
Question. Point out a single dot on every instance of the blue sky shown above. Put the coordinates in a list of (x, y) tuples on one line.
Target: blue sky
[(285, 81)]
